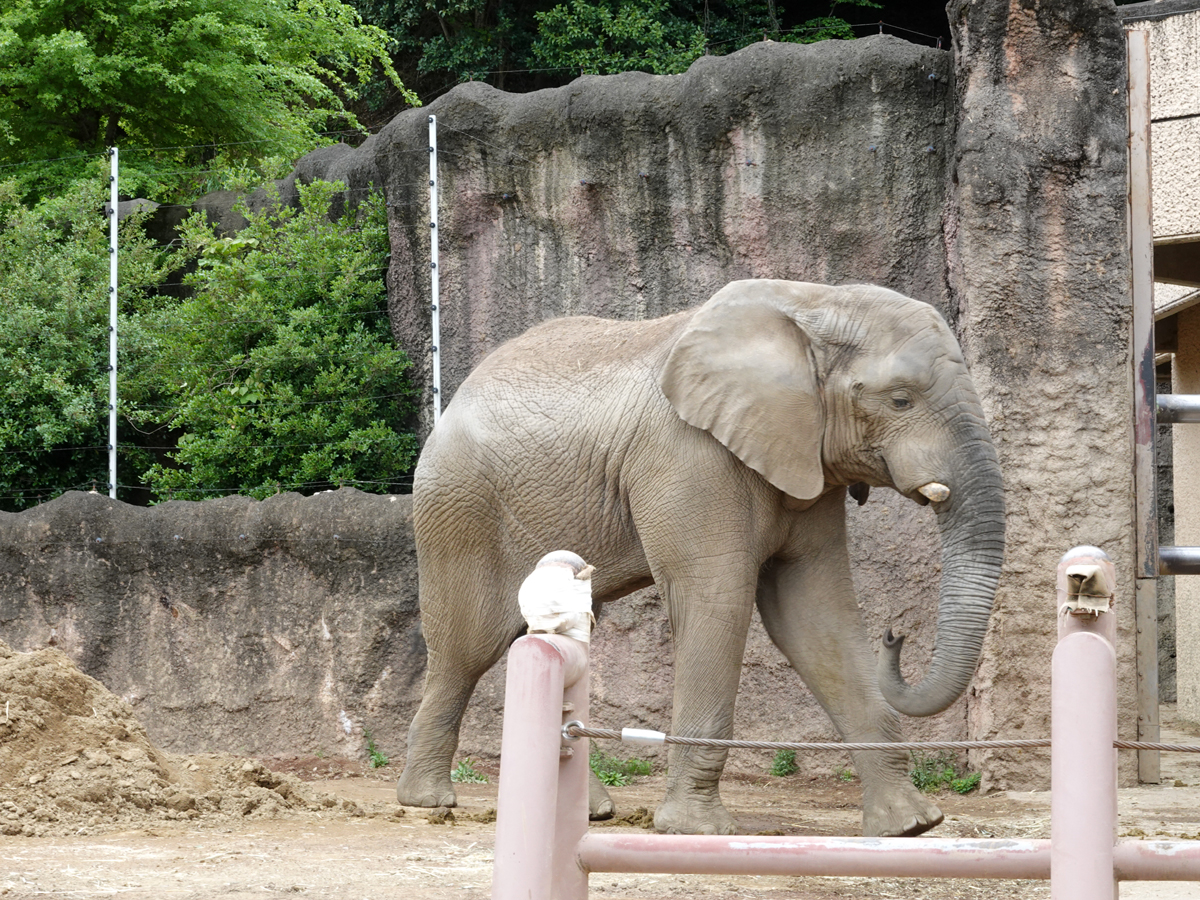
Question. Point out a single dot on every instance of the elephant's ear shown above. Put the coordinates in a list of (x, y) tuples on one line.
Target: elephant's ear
[(743, 370)]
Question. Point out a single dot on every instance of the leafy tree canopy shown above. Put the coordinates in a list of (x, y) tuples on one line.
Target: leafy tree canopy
[(525, 44), (280, 372), (77, 76)]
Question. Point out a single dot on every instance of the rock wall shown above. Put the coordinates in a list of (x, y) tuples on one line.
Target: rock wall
[(274, 627), (1039, 267), (632, 196)]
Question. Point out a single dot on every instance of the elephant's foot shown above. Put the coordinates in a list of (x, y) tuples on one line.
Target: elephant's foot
[(897, 812), (600, 805), (427, 792), (694, 815)]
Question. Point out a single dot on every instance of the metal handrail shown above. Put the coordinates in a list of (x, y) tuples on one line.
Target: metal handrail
[(1178, 409)]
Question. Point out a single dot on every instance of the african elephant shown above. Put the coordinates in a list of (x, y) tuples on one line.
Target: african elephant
[(710, 452)]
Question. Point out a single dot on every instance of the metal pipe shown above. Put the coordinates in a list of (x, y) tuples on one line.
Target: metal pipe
[(1145, 477), (112, 327), (1157, 860), (1179, 409), (1179, 560), (1083, 726), (840, 856), (539, 668), (1141, 236)]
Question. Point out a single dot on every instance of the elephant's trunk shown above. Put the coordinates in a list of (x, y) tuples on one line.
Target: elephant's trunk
[(972, 529)]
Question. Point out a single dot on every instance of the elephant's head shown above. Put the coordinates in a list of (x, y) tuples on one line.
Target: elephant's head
[(816, 387)]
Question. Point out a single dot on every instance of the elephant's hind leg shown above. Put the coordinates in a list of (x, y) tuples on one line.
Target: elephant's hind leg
[(463, 645), (433, 738)]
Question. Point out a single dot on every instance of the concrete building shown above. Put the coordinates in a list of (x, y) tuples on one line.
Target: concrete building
[(1174, 27)]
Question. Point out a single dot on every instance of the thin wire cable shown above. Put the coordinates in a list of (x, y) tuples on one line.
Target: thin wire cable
[(481, 141), (37, 162), (611, 734), (197, 323), (286, 275)]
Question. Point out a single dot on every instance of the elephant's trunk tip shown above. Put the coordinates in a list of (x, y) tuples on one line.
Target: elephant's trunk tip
[(902, 696)]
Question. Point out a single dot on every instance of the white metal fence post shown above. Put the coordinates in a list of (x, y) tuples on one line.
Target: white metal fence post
[(433, 267), (112, 327)]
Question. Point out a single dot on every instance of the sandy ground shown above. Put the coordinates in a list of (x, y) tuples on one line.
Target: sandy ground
[(373, 853)]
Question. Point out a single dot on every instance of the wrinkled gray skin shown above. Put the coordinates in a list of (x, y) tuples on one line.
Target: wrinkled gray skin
[(710, 452)]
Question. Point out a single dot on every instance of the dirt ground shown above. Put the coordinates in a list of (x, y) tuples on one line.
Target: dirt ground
[(88, 808)]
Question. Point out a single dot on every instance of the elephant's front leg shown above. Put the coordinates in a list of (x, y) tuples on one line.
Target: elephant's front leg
[(710, 614), (809, 610)]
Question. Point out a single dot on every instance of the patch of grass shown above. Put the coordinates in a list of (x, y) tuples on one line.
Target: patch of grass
[(846, 774), (934, 773), (466, 773), (615, 772), (966, 784), (375, 758), (784, 764)]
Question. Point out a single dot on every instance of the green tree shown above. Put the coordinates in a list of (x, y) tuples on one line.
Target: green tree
[(648, 35), (617, 36), (54, 336), (280, 372), (528, 44), (77, 76)]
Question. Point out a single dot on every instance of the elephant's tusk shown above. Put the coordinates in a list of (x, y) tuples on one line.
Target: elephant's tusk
[(935, 492)]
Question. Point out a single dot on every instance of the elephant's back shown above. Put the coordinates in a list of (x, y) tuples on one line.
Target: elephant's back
[(567, 372), (578, 346), (553, 417)]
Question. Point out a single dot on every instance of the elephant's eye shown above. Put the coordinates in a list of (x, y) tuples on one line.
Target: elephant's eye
[(901, 403)]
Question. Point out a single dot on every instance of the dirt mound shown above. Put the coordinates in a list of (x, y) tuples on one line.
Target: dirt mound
[(75, 759)]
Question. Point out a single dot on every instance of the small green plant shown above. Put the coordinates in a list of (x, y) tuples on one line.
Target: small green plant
[(466, 773), (616, 772), (375, 759), (933, 773), (845, 773), (783, 764), (966, 784)]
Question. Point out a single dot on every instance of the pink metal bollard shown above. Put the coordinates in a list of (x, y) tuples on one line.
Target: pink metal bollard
[(1083, 763), (535, 844)]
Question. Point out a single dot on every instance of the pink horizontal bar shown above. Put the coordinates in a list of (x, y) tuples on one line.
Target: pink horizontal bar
[(846, 856), (1157, 860)]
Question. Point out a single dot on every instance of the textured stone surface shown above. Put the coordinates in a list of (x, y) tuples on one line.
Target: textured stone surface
[(1174, 29), (1039, 268), (274, 627), (633, 196)]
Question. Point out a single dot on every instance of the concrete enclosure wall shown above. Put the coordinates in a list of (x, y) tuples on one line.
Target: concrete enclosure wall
[(989, 181)]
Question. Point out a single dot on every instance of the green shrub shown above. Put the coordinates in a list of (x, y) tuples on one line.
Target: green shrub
[(966, 784), (934, 773), (784, 764), (616, 772), (280, 371), (375, 759), (54, 311), (466, 773)]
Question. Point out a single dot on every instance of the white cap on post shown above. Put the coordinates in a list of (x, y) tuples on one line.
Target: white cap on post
[(556, 598)]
